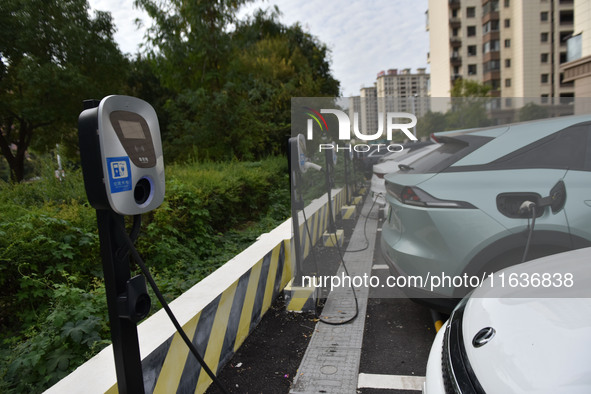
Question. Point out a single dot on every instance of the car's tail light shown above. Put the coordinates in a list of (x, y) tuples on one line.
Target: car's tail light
[(412, 195)]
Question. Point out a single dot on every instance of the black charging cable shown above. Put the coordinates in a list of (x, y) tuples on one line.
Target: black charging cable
[(140, 262), (365, 227), (528, 206), (344, 267)]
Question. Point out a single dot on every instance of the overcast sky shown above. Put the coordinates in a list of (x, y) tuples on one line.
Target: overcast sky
[(364, 36)]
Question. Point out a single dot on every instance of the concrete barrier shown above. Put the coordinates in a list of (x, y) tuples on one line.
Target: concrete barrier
[(218, 313)]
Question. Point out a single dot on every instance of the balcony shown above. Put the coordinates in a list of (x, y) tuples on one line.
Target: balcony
[(455, 42), (455, 60), (455, 23), (491, 76), (455, 4)]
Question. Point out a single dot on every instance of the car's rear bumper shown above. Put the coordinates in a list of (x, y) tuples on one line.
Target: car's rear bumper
[(430, 299)]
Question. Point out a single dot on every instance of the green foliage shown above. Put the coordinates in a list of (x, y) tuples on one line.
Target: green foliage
[(532, 111), (229, 89), (464, 113), (431, 122), (469, 88), (53, 56), (52, 301), (467, 113), (68, 333)]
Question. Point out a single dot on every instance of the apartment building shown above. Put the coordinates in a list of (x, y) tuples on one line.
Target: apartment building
[(369, 109), (403, 91), (577, 69), (393, 91), (514, 46)]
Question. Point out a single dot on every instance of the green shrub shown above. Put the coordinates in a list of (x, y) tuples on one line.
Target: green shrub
[(52, 303)]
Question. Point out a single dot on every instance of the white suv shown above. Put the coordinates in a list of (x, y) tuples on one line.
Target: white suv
[(527, 329)]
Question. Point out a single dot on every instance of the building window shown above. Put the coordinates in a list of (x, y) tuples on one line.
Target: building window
[(507, 22), (472, 50), (507, 43), (490, 26), (544, 37), (566, 17), (544, 78), (544, 16), (507, 63), (472, 69), (470, 12), (507, 3), (491, 46), (507, 82), (492, 65), (544, 58), (563, 57), (471, 31)]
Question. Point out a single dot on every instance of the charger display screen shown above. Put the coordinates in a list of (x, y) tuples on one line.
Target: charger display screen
[(132, 129), (134, 134)]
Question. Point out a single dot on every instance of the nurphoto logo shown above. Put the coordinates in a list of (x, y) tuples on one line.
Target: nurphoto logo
[(321, 122)]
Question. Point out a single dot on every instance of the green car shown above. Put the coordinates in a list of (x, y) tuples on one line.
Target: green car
[(476, 203)]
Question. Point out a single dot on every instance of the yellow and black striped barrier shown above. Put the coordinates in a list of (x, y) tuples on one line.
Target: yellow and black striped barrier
[(218, 330), (217, 314)]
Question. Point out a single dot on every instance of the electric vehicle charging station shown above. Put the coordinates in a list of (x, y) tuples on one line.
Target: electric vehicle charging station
[(330, 157), (348, 160), (123, 169), (297, 152)]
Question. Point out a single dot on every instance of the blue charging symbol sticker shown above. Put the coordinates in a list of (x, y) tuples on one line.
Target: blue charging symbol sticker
[(119, 174)]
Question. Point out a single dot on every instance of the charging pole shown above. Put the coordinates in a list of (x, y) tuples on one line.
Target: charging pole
[(123, 169), (128, 365), (346, 163), (330, 159), (297, 203)]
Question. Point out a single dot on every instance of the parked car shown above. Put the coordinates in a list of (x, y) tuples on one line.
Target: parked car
[(379, 151), (519, 335), (458, 211), (391, 163)]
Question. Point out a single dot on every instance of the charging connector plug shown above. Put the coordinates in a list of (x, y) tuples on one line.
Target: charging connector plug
[(526, 207)]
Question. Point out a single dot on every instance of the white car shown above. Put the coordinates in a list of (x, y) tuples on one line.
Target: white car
[(527, 329), (390, 164)]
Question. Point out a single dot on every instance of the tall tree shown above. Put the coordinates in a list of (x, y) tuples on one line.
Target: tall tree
[(191, 40), (231, 81), (52, 56)]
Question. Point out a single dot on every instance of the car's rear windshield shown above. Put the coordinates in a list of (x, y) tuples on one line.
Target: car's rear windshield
[(451, 151)]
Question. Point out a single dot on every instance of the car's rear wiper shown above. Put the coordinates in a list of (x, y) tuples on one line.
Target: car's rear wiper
[(404, 167)]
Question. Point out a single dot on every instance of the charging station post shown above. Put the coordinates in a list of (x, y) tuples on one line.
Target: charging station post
[(123, 170), (346, 157), (297, 203), (330, 159), (128, 364)]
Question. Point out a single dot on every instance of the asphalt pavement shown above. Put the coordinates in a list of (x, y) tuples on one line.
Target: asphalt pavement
[(383, 350)]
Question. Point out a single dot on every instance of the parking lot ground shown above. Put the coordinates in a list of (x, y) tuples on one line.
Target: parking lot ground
[(397, 337), (396, 342), (386, 346)]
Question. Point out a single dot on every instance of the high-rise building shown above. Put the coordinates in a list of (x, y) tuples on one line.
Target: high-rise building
[(393, 91), (369, 110), (403, 91), (514, 46), (577, 69)]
